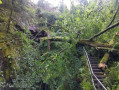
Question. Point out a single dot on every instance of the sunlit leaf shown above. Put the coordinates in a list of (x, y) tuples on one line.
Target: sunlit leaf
[(0, 2), (77, 19)]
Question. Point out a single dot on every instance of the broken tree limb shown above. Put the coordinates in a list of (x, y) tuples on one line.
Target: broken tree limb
[(111, 27), (104, 60)]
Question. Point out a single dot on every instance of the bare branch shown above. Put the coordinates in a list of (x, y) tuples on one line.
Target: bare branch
[(109, 28), (113, 17)]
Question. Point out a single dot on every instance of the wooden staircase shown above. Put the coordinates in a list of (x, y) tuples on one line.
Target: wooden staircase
[(96, 73)]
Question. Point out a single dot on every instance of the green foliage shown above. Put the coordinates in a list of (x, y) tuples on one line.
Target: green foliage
[(86, 83), (112, 79), (88, 21), (51, 17), (8, 53), (53, 68), (29, 64), (60, 66), (27, 74)]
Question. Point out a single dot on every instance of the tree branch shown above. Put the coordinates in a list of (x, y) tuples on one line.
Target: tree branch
[(111, 27), (113, 17), (94, 11)]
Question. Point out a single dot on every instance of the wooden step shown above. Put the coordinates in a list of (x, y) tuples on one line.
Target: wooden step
[(100, 76), (95, 67), (92, 58), (94, 62), (97, 70), (98, 73)]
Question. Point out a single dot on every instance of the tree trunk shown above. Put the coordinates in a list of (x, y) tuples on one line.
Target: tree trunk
[(95, 44), (104, 60), (48, 35)]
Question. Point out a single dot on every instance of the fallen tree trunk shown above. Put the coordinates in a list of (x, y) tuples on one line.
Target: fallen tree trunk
[(95, 44), (104, 60)]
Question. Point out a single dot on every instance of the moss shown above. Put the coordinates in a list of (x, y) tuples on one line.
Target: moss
[(1, 79), (105, 58), (55, 38), (7, 74), (9, 48), (111, 42), (3, 19)]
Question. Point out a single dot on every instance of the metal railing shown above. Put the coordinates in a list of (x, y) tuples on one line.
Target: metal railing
[(92, 73)]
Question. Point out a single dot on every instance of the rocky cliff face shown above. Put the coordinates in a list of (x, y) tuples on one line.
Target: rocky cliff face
[(23, 14)]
